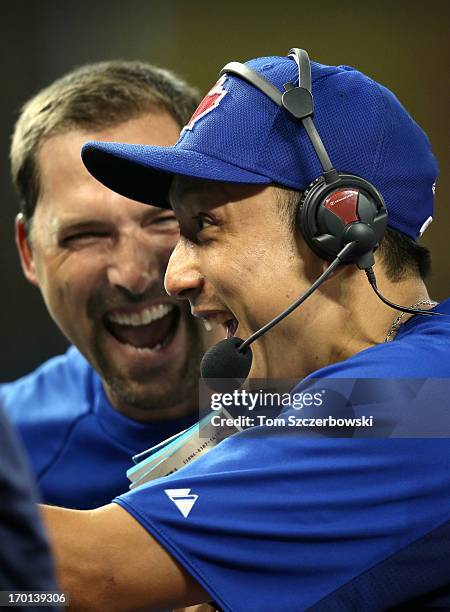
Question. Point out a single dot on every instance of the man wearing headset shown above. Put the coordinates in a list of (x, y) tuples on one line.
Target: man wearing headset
[(268, 521)]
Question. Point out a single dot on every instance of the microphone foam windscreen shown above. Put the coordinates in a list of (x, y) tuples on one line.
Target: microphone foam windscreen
[(224, 360)]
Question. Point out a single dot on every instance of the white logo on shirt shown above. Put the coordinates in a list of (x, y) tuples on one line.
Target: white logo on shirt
[(182, 499)]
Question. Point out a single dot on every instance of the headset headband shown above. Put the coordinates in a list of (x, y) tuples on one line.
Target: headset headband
[(298, 101)]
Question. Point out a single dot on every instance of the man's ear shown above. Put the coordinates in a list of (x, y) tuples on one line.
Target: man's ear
[(25, 250)]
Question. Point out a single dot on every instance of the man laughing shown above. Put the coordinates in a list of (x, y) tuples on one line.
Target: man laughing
[(99, 261)]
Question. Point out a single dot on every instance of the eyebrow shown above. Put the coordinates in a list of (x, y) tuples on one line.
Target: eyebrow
[(80, 225), (85, 222)]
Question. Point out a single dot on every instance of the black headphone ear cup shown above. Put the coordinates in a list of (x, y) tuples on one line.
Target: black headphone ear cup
[(330, 215)]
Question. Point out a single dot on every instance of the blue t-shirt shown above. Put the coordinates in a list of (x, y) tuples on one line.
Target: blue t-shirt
[(78, 445), (269, 522), (25, 562)]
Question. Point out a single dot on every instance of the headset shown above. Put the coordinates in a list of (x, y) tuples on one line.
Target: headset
[(336, 208), (342, 218)]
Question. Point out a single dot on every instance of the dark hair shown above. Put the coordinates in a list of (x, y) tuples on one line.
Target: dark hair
[(94, 96), (400, 255)]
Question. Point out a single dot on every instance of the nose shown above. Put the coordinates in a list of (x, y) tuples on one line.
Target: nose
[(134, 266), (183, 279)]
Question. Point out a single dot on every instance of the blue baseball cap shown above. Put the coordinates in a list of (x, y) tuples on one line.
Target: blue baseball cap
[(239, 135)]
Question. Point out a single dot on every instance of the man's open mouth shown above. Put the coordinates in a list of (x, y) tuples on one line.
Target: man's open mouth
[(151, 328)]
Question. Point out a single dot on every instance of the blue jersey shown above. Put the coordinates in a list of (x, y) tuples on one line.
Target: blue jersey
[(79, 446), (275, 522)]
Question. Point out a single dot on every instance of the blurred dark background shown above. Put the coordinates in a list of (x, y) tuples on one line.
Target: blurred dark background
[(403, 43)]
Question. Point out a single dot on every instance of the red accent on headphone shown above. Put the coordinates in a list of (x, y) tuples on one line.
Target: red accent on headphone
[(344, 204)]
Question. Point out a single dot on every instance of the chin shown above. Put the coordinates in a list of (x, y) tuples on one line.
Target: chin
[(164, 391)]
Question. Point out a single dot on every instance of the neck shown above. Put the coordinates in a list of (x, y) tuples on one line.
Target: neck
[(341, 319), (363, 320)]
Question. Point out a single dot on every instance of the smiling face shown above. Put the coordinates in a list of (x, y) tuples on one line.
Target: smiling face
[(239, 264), (99, 260)]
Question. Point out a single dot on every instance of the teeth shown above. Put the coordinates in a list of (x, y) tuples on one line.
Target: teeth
[(144, 317), (215, 319), (207, 325), (135, 319), (145, 350)]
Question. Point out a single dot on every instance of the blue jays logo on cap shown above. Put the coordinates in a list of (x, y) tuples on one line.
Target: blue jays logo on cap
[(209, 103)]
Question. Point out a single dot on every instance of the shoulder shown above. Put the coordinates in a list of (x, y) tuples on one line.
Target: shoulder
[(63, 382), (45, 404), (284, 498)]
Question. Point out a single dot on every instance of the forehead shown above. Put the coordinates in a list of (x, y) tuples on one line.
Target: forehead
[(61, 152)]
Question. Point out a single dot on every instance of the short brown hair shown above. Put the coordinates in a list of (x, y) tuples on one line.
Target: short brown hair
[(94, 96)]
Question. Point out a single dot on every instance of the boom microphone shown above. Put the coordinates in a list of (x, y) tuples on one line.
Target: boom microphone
[(227, 359)]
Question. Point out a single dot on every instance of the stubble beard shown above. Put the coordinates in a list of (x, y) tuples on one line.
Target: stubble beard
[(169, 387)]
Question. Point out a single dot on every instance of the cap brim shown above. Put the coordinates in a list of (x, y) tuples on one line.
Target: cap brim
[(144, 173)]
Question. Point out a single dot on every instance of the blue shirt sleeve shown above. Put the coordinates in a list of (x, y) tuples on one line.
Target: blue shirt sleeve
[(270, 522)]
